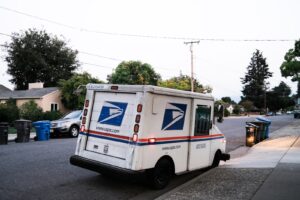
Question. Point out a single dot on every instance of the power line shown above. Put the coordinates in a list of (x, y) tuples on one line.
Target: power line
[(96, 65), (143, 36), (96, 55)]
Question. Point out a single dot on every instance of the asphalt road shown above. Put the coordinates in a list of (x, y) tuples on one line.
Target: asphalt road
[(235, 132), (41, 170)]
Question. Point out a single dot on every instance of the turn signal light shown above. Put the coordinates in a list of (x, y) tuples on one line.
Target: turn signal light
[(139, 108), (135, 137)]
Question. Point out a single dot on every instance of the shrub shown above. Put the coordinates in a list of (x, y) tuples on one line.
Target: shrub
[(52, 115), (31, 111), (9, 112)]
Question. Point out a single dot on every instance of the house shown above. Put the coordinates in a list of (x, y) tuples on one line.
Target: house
[(46, 98)]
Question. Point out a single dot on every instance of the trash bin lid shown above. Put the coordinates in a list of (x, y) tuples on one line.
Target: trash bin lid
[(23, 120), (262, 119), (250, 124), (41, 122)]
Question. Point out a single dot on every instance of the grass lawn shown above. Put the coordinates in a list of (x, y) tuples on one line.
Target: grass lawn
[(13, 130)]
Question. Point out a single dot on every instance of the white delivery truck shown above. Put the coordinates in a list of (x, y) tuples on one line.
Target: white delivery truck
[(140, 128)]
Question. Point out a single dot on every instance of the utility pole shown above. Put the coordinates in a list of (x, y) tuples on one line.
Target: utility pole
[(192, 63)]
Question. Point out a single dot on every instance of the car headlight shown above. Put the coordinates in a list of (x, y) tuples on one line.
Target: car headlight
[(63, 124)]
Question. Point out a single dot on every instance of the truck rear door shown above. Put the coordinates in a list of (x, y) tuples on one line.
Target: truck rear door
[(111, 125)]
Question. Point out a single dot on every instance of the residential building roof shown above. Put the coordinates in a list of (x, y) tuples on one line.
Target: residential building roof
[(27, 94), (3, 89)]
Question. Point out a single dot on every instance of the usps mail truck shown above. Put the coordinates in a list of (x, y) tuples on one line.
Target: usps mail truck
[(147, 129)]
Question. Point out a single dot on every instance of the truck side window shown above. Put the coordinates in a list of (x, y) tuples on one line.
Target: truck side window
[(202, 120)]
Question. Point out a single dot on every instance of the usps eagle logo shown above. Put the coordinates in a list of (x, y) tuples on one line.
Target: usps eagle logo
[(112, 113), (174, 116)]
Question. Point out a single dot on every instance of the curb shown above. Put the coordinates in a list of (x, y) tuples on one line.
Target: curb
[(162, 197)]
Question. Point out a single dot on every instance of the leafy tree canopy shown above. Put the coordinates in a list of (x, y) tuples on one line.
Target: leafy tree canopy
[(134, 73), (279, 97), (291, 65), (254, 81), (183, 82), (36, 56), (248, 105), (69, 97), (228, 100)]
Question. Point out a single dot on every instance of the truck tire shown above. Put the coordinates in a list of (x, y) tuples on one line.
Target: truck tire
[(161, 175), (74, 131), (216, 160)]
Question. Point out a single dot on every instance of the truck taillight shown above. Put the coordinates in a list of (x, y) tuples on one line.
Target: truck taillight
[(135, 137), (87, 102), (85, 112), (136, 128), (139, 108), (82, 128), (114, 87), (137, 119), (83, 121)]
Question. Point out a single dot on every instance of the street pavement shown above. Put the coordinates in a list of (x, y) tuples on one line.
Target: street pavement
[(268, 170)]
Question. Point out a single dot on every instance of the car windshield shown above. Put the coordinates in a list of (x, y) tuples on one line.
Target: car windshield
[(74, 114)]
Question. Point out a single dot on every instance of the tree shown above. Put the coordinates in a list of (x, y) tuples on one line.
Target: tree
[(134, 73), (237, 109), (36, 56), (291, 65), (68, 87), (255, 84), (183, 82), (279, 97), (248, 105), (228, 100)]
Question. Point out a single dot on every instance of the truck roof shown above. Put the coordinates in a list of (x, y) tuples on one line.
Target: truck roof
[(147, 88)]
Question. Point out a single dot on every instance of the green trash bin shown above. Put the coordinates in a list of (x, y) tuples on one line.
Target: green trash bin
[(261, 131), (251, 134)]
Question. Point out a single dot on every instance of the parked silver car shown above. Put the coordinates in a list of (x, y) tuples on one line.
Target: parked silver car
[(69, 124)]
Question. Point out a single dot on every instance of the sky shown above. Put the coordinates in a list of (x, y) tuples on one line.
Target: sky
[(154, 32)]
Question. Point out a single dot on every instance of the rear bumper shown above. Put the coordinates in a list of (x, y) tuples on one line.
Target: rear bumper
[(100, 167)]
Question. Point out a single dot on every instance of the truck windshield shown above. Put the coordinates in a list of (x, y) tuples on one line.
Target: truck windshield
[(74, 114)]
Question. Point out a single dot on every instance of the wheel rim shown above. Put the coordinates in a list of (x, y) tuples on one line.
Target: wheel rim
[(74, 131)]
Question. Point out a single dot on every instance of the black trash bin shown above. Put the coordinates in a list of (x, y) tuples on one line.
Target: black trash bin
[(23, 130), (251, 134), (3, 133)]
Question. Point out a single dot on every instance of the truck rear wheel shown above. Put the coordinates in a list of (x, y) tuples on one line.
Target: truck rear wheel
[(216, 160), (161, 175)]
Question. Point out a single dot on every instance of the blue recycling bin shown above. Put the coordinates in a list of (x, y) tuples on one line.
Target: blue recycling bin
[(42, 130), (267, 123)]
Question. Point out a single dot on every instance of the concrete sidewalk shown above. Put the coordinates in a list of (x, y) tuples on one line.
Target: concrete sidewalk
[(268, 170)]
